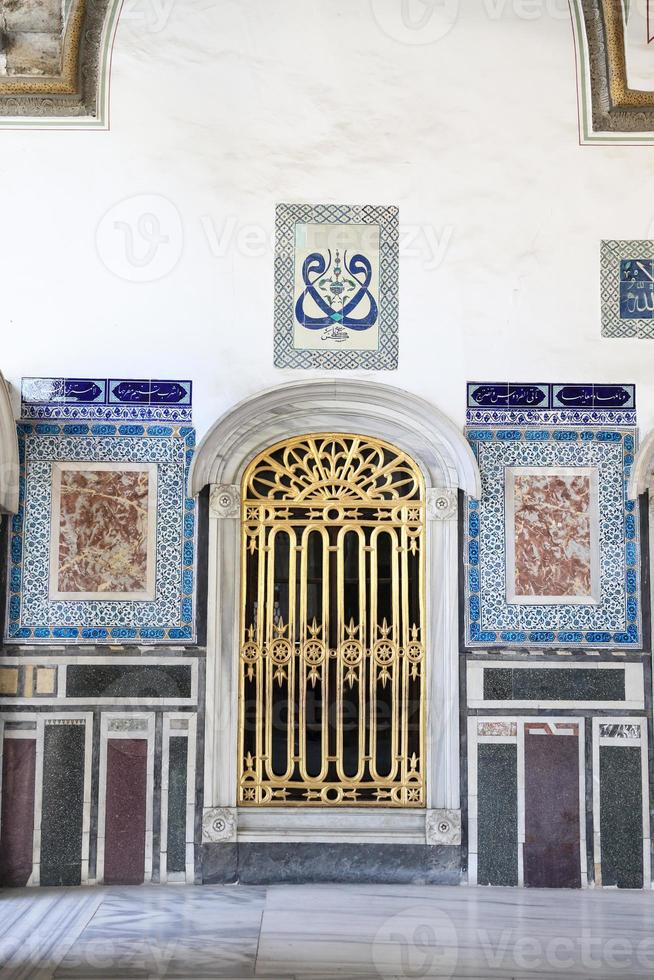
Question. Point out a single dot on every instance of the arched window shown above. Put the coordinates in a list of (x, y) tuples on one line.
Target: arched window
[(332, 665)]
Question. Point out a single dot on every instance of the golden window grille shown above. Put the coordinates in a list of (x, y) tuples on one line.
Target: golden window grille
[(332, 667)]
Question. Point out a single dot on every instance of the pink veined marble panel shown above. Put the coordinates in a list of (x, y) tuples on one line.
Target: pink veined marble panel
[(497, 728), (103, 531), (552, 518)]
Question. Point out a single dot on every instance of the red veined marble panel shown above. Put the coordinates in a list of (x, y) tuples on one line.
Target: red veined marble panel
[(103, 531), (552, 527)]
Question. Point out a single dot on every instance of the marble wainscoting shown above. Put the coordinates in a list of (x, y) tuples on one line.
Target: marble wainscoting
[(291, 933)]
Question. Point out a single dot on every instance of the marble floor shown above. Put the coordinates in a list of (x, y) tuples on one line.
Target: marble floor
[(305, 931)]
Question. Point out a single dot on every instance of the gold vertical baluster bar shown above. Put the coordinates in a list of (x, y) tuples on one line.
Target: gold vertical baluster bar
[(242, 668), (363, 728), (302, 666), (340, 636), (262, 666), (292, 664), (404, 663), (267, 705), (326, 700), (372, 677), (343, 668), (388, 635), (396, 714)]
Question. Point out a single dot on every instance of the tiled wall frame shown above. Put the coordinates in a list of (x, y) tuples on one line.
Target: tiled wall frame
[(511, 730), (32, 616), (287, 354), (491, 621)]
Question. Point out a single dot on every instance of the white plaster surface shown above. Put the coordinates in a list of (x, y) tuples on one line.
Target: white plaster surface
[(468, 123)]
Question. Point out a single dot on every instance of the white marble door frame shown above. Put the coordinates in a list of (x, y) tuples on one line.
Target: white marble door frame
[(447, 463)]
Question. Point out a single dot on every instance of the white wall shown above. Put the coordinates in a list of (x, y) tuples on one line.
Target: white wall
[(225, 107)]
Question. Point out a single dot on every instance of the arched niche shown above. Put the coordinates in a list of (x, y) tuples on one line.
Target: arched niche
[(9, 462), (642, 470), (448, 465), (339, 406)]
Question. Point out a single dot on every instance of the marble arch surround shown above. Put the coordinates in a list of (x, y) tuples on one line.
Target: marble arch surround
[(9, 459), (448, 464)]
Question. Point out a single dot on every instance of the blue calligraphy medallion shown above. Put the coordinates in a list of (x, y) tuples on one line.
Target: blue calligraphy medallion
[(637, 289), (342, 297)]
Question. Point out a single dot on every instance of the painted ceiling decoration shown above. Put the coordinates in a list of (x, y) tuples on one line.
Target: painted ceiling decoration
[(55, 61), (614, 70)]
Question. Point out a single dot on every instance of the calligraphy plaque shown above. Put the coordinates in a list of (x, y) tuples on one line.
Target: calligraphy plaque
[(336, 303), (336, 287), (627, 275)]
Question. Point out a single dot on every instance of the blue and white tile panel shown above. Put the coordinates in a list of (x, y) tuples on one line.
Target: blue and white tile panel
[(545, 403), (32, 616), (491, 621), (110, 399)]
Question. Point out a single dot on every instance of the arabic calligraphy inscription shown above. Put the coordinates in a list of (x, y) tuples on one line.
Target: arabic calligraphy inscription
[(336, 301), (637, 289)]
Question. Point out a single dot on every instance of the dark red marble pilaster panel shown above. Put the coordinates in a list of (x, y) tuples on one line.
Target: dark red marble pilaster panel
[(17, 831), (551, 851), (124, 847)]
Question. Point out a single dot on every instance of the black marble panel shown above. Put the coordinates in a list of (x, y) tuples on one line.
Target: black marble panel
[(621, 816), (176, 844), (363, 863), (301, 863), (497, 818), (592, 684), (128, 681), (219, 864), (63, 803)]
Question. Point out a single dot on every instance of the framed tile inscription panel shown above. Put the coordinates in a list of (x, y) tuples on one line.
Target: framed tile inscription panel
[(336, 287), (552, 550)]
